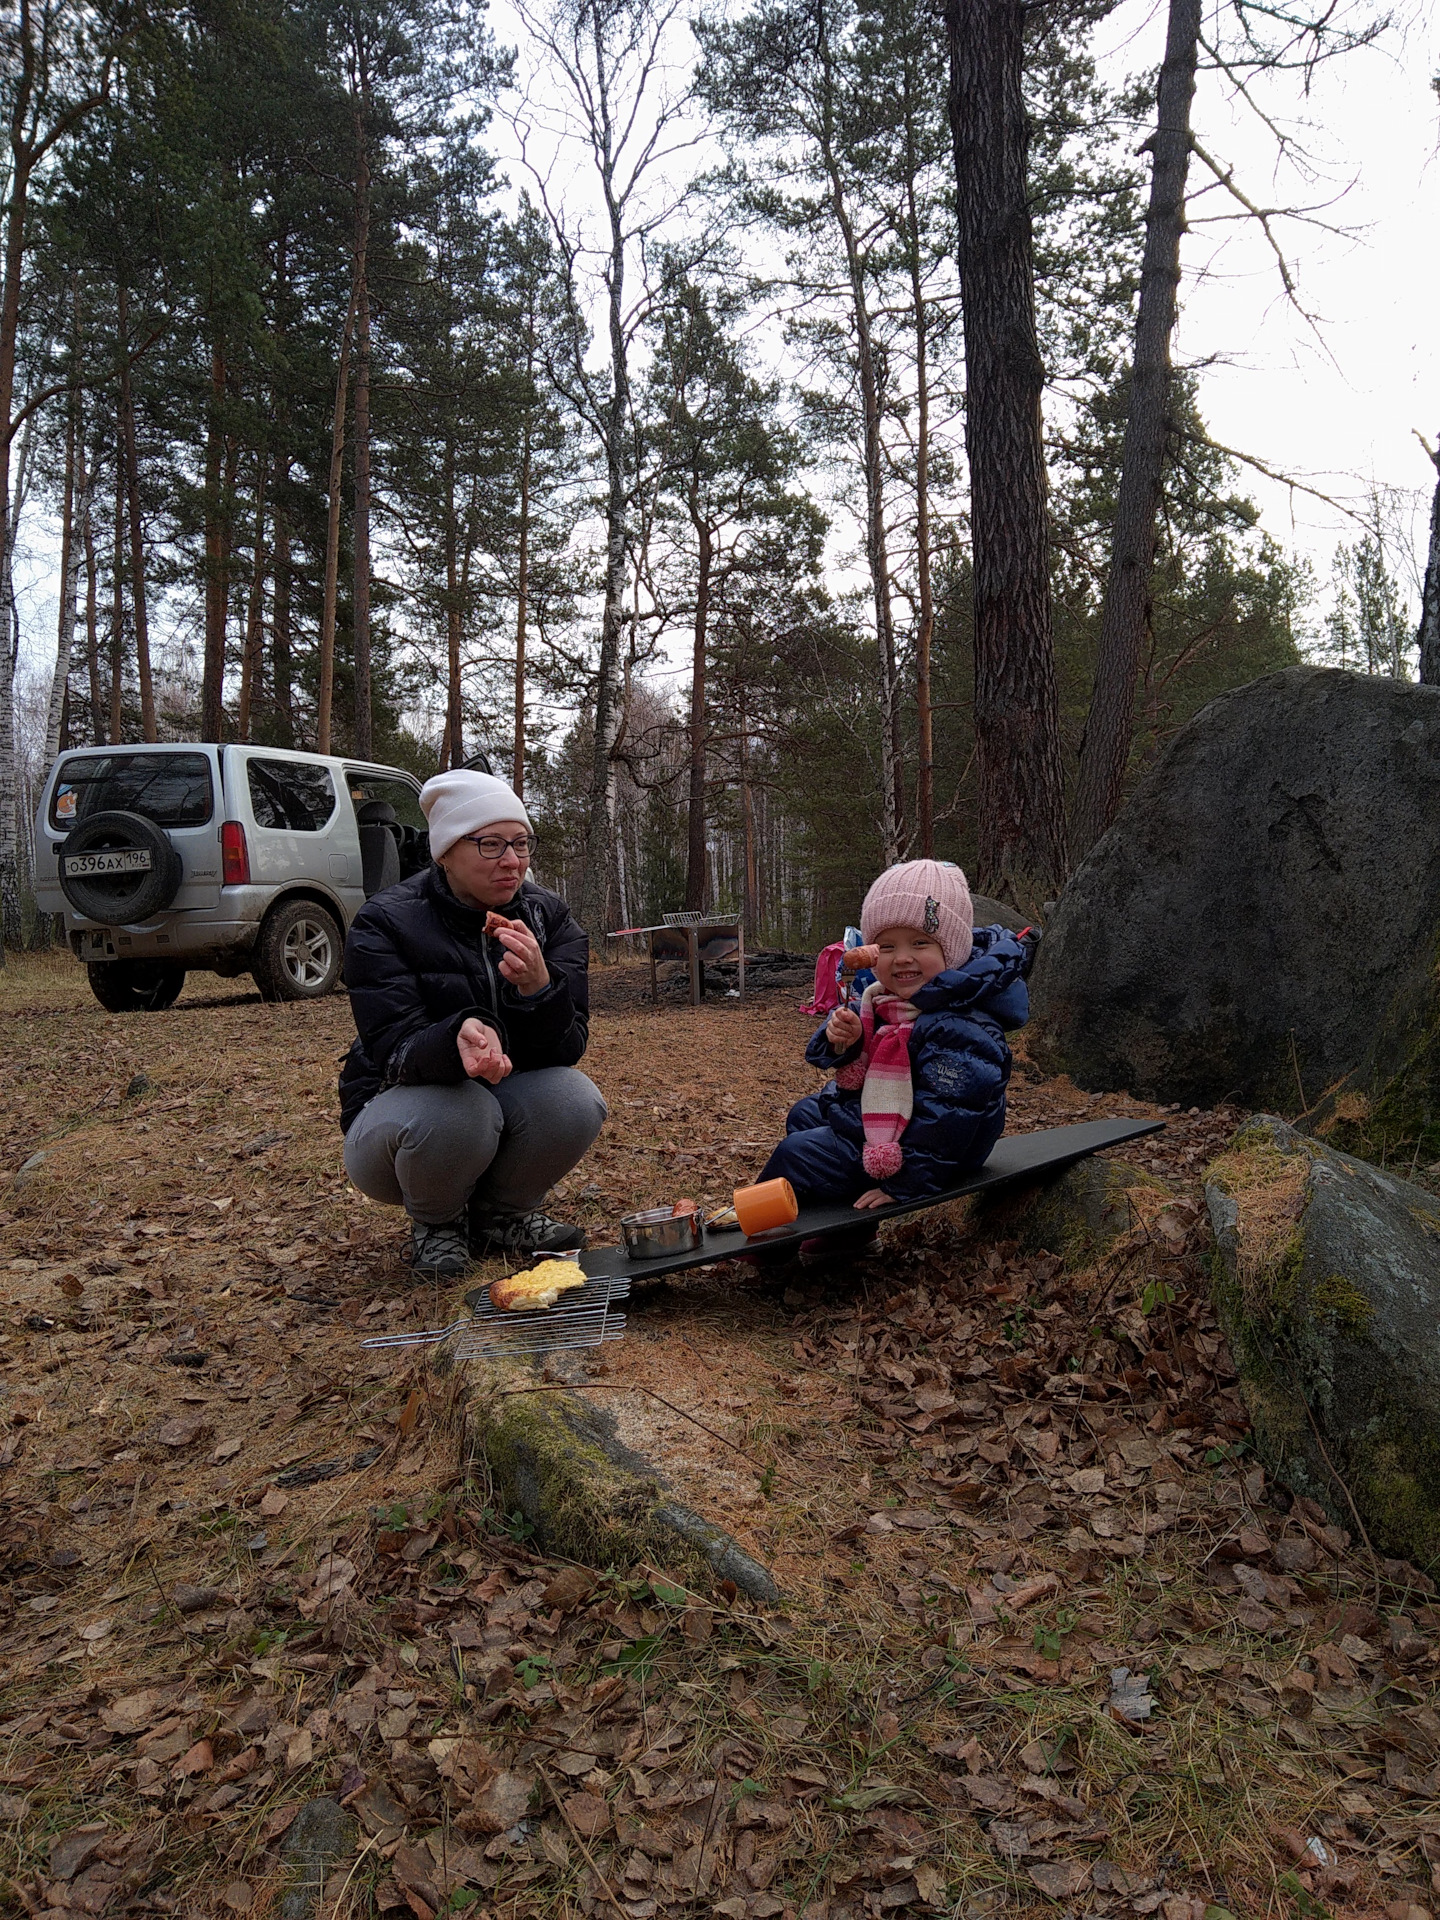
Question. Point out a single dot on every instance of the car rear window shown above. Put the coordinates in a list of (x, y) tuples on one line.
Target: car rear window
[(290, 794), (172, 789), (396, 793)]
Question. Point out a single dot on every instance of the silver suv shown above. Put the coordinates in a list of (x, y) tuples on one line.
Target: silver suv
[(236, 859)]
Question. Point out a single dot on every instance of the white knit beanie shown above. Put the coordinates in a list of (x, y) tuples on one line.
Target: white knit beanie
[(461, 802), (932, 896)]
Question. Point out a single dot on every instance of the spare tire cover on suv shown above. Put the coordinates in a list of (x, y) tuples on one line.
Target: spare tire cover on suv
[(133, 892)]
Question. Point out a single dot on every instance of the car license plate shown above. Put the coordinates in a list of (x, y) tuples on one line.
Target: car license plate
[(79, 866)]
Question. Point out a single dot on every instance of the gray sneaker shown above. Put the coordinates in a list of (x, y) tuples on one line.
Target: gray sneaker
[(439, 1253), (520, 1235)]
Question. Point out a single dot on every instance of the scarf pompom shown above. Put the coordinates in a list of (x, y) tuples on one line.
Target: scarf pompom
[(883, 1159)]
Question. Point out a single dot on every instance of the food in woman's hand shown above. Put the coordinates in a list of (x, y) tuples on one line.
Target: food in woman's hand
[(538, 1286), (494, 922)]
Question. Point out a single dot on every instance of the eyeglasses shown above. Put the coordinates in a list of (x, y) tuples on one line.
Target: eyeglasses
[(493, 846)]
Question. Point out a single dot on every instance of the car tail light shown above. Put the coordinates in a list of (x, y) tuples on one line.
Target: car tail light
[(234, 855)]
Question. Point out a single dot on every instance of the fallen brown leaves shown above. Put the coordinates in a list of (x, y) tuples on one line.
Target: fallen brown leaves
[(1051, 1641)]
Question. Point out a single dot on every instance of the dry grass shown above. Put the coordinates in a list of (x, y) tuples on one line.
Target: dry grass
[(1268, 1188), (189, 1256)]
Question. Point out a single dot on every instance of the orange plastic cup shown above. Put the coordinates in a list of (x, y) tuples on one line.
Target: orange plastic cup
[(771, 1204)]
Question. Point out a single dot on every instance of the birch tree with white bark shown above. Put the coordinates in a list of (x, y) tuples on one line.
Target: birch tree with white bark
[(603, 94)]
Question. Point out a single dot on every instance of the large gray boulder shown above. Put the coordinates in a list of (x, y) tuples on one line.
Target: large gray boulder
[(1261, 923), (995, 913), (1080, 1214), (1327, 1285)]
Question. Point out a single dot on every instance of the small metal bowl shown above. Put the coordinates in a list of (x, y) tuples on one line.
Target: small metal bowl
[(657, 1230)]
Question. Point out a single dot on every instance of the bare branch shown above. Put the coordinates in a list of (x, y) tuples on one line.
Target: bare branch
[(1290, 480)]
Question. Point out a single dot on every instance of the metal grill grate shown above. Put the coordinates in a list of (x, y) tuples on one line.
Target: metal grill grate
[(583, 1318)]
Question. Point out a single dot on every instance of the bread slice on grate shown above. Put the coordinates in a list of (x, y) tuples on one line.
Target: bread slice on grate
[(538, 1286)]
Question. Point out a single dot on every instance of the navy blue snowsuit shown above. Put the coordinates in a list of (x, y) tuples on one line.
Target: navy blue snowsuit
[(959, 1069)]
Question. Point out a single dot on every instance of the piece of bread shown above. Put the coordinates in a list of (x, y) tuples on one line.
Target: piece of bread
[(538, 1286)]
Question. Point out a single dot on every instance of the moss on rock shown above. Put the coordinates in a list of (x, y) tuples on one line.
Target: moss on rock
[(557, 1459), (1328, 1288), (1342, 1301), (1079, 1214), (1388, 1109)]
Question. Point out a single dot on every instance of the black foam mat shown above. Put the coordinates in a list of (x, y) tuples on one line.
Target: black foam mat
[(1016, 1156)]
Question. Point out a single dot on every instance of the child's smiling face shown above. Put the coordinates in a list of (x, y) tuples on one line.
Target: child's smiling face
[(907, 960)]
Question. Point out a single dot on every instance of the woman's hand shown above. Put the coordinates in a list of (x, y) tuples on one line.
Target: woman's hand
[(876, 1197), (843, 1029), (480, 1052), (524, 964)]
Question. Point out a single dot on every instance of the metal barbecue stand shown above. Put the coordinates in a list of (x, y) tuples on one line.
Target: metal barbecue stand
[(582, 1317), (699, 939)]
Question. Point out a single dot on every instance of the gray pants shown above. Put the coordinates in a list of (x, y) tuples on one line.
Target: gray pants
[(427, 1149)]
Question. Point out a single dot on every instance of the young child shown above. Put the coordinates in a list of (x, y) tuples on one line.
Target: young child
[(918, 1097)]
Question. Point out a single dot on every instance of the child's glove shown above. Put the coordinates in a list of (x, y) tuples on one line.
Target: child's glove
[(843, 1029)]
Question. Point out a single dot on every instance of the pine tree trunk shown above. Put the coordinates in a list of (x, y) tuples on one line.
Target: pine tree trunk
[(21, 164), (15, 847), (117, 609), (1017, 726), (281, 653), (74, 515), (1429, 634), (281, 691), (468, 523), (1125, 618), (251, 660), (696, 843), (877, 557), (364, 732), (599, 877), (92, 626), (747, 816), (138, 604), (522, 584), (452, 752), (925, 627), (10, 923), (212, 690), (326, 699)]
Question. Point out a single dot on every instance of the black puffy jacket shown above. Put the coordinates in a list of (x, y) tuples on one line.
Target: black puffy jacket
[(418, 966)]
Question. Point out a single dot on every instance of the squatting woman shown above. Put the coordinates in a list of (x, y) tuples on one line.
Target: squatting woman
[(460, 1099)]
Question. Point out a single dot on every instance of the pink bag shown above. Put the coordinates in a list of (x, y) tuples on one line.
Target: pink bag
[(826, 995)]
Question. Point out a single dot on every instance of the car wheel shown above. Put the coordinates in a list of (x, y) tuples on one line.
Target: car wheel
[(298, 953), (147, 869), (136, 986)]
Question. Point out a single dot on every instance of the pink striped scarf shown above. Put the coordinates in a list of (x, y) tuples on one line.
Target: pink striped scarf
[(882, 1073)]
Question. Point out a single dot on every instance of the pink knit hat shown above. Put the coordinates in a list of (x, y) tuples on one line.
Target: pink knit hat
[(930, 895)]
